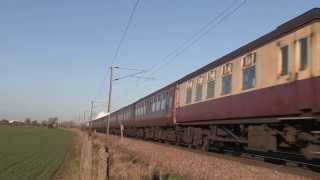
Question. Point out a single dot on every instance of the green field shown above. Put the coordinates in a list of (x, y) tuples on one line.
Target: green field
[(32, 153)]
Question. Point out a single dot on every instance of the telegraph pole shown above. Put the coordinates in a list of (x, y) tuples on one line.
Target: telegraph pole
[(91, 114), (109, 99), (91, 110), (132, 75), (84, 118)]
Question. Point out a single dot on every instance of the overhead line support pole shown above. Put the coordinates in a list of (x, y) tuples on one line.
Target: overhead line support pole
[(91, 110), (112, 68), (109, 100), (91, 114)]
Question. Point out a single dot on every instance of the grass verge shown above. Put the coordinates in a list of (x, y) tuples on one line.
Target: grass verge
[(32, 153)]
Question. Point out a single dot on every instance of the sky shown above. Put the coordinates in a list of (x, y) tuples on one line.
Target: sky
[(54, 55)]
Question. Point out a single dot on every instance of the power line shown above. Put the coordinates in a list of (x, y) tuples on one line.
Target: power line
[(198, 35), (186, 44), (129, 75), (194, 35), (125, 31)]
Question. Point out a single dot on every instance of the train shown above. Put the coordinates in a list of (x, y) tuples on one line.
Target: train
[(262, 97)]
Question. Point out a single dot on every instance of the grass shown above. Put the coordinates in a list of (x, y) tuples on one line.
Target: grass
[(70, 170), (32, 153)]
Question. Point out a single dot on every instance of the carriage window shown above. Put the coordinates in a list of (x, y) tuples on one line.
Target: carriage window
[(211, 84), (226, 79), (150, 106), (249, 71), (143, 109), (189, 95), (163, 102), (158, 103), (199, 88), (139, 110), (284, 60), (170, 102), (303, 53), (249, 77), (199, 92), (167, 101), (153, 105), (147, 106), (226, 84), (189, 92), (210, 88)]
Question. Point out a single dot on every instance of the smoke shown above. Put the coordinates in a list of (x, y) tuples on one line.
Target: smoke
[(101, 114)]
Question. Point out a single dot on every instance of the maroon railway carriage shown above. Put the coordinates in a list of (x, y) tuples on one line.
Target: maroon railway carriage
[(296, 98), (295, 92), (98, 124), (154, 111), (151, 113), (124, 116), (264, 96)]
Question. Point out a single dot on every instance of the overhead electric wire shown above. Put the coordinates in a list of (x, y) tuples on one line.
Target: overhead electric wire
[(186, 44), (131, 69), (198, 35), (125, 31), (129, 75)]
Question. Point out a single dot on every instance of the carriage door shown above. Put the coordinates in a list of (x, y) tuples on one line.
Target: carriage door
[(305, 86)]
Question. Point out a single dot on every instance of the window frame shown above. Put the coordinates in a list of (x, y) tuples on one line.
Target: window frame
[(167, 101), (188, 96), (199, 89), (152, 104), (282, 72), (163, 102), (253, 84), (248, 62), (227, 71), (306, 63), (211, 78), (158, 104), (223, 85), (213, 90)]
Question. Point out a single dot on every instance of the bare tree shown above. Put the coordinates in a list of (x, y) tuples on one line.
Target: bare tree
[(34, 123), (27, 121), (44, 123), (53, 122)]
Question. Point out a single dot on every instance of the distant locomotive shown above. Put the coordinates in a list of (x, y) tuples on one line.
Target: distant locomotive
[(264, 96)]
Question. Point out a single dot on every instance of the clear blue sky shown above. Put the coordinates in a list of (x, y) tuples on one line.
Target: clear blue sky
[(54, 54)]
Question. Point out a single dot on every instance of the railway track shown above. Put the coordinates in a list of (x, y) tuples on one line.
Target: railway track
[(295, 161), (282, 158)]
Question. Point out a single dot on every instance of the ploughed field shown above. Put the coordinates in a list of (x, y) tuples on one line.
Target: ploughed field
[(32, 153)]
